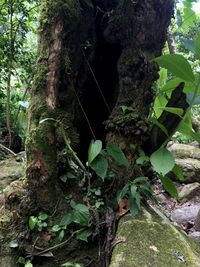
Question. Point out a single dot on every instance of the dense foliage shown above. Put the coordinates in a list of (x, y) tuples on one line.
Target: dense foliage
[(18, 24)]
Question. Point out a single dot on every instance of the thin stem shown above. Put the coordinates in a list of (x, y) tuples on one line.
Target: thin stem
[(70, 149)]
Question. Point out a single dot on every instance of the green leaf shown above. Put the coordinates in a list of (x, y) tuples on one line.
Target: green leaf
[(100, 166), (123, 192), (55, 228), (162, 78), (142, 158), (189, 16), (67, 219), (160, 101), (169, 186), (160, 125), (61, 235), (68, 264), (14, 244), (81, 214), (68, 175), (177, 111), (197, 45), (117, 154), (177, 170), (177, 65), (127, 110), (134, 209), (140, 180), (147, 190), (162, 161), (133, 190), (186, 129), (189, 44), (84, 234), (21, 260), (32, 222), (28, 264), (42, 216), (94, 150)]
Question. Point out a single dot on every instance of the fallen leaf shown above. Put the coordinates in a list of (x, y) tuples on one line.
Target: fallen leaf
[(123, 206)]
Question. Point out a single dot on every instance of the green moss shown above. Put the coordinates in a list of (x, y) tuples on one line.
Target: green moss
[(151, 242), (52, 10)]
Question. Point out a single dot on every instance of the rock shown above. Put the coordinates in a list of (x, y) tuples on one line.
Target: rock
[(197, 221), (189, 191), (191, 169), (185, 214), (182, 151), (195, 236), (150, 241), (10, 170)]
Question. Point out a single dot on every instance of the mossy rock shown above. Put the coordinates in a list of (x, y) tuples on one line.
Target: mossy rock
[(150, 241), (182, 151), (11, 170)]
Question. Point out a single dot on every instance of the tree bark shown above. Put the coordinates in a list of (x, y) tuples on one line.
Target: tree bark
[(93, 58)]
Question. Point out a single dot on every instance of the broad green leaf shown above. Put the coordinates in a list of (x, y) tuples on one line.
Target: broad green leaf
[(32, 222), (178, 172), (84, 234), (189, 16), (169, 186), (197, 45), (134, 209), (177, 65), (160, 101), (81, 214), (67, 219), (171, 85), (94, 150), (100, 166), (177, 111), (162, 77), (117, 154), (162, 161)]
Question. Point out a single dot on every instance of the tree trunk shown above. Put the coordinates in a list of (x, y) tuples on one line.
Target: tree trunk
[(94, 57)]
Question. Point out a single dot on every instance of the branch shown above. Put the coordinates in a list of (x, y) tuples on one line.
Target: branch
[(7, 149)]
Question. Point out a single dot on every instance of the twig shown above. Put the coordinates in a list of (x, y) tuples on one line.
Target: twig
[(54, 247), (33, 247), (8, 149)]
